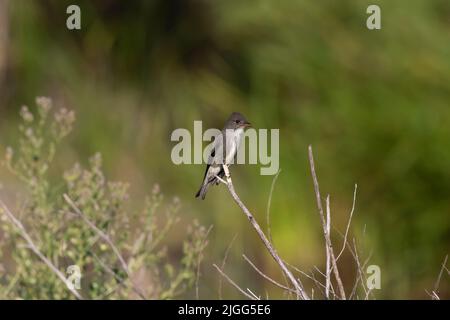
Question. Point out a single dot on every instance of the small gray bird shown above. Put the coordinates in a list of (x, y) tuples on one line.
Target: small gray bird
[(230, 138)]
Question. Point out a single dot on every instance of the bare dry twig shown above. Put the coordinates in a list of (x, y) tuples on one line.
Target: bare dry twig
[(360, 276), (359, 267), (324, 225), (269, 202), (331, 260), (348, 223), (328, 252), (301, 293), (252, 297), (224, 261), (253, 294), (266, 276), (318, 284), (435, 295)]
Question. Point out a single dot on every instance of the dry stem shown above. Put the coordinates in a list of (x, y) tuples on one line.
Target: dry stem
[(324, 226), (301, 294), (234, 283)]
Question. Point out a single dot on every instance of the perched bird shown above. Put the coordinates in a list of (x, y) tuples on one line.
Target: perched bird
[(230, 137)]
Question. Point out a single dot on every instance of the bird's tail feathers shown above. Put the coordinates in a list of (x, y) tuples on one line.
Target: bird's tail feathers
[(202, 191)]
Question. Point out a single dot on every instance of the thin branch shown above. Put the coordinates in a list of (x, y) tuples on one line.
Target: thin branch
[(111, 291), (360, 268), (221, 180), (107, 239), (348, 223), (199, 260), (326, 234), (324, 276), (367, 294), (433, 295), (327, 249), (269, 202), (318, 284), (448, 271), (10, 286), (359, 273), (267, 277), (233, 283), (438, 280), (253, 294), (319, 287), (102, 235), (120, 280), (223, 263), (300, 291), (34, 248)]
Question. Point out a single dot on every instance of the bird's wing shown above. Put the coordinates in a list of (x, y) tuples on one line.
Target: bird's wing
[(214, 157), (212, 153), (211, 156), (217, 151)]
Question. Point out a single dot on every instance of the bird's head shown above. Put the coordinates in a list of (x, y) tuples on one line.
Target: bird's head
[(237, 121)]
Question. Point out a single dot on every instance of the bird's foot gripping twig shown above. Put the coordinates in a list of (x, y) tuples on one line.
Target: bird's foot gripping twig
[(221, 180), (227, 175)]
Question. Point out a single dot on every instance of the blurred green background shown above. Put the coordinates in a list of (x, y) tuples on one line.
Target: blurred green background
[(375, 106)]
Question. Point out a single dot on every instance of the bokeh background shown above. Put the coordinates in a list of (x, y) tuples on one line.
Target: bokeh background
[(375, 106)]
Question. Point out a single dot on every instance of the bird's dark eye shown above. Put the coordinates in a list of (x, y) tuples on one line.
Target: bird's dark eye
[(237, 121)]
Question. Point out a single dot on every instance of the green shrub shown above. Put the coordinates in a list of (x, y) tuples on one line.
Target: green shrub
[(66, 239)]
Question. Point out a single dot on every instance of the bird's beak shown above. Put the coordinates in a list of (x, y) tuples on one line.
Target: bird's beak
[(247, 124)]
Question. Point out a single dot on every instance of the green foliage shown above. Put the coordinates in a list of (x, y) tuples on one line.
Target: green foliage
[(64, 238)]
